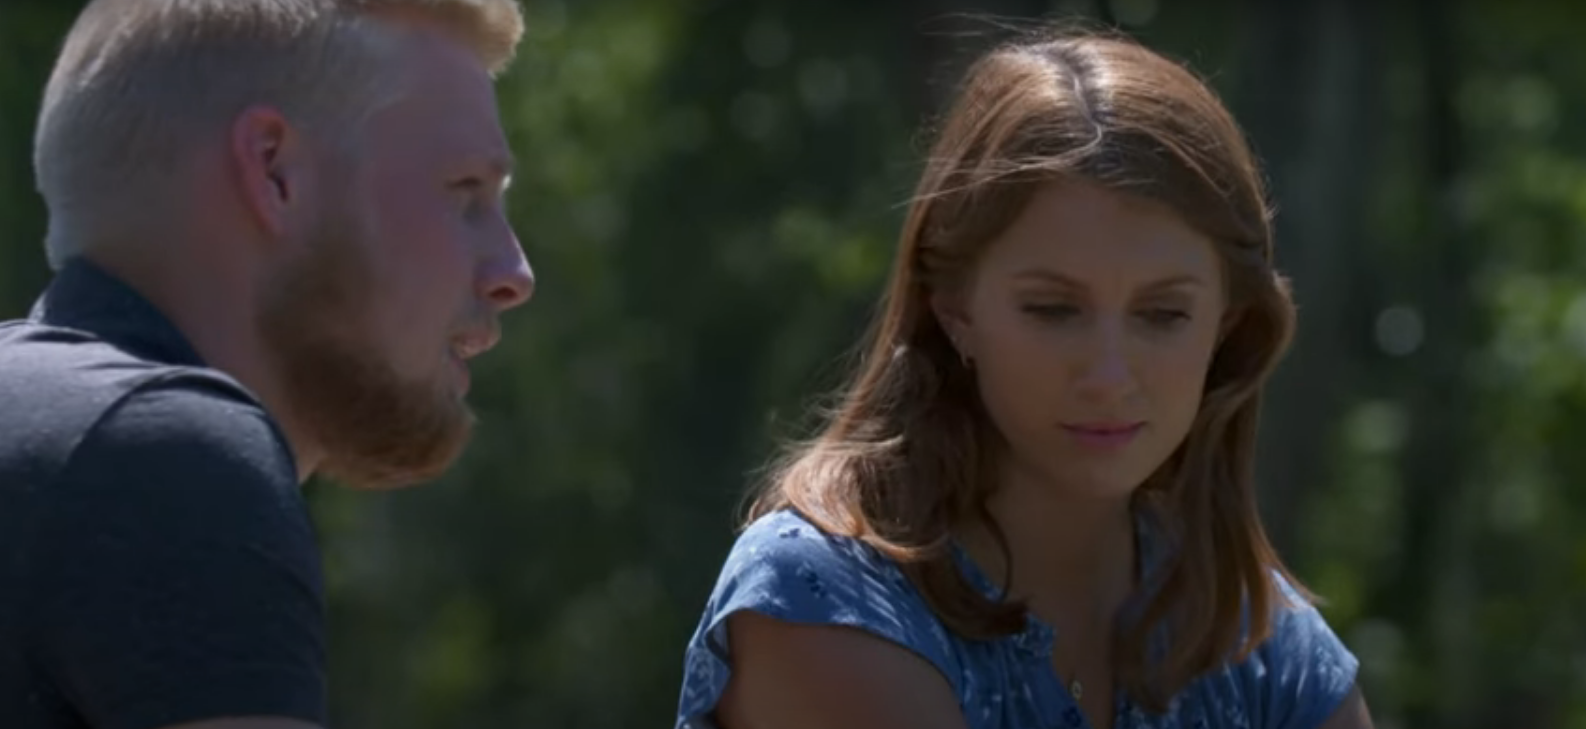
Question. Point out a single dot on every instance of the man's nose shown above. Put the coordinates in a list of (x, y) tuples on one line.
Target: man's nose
[(506, 280)]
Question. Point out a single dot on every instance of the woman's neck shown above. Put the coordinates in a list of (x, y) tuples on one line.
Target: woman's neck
[(1073, 554)]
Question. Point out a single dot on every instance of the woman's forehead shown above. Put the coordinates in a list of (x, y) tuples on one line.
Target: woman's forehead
[(1084, 235)]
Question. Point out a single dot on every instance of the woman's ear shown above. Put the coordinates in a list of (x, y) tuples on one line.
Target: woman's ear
[(951, 315), (1231, 319)]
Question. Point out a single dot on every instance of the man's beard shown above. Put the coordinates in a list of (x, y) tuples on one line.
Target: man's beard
[(374, 428)]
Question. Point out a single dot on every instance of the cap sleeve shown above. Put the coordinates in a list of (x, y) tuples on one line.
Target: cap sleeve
[(1303, 671), (786, 568)]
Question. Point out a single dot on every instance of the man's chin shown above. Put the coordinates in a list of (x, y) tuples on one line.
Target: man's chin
[(363, 481), (396, 459), (389, 475)]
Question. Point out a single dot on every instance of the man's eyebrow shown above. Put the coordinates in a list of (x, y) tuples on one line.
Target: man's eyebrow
[(498, 166), (503, 164)]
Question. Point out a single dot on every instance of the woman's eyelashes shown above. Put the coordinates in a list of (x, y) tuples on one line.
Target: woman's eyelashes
[(1052, 312), (1163, 317)]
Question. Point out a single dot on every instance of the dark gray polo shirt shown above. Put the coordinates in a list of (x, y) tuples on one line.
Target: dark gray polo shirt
[(157, 563)]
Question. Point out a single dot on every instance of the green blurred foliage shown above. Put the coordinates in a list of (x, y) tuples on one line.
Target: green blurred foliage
[(709, 193)]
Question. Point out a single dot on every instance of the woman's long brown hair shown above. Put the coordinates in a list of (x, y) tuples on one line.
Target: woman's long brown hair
[(905, 456)]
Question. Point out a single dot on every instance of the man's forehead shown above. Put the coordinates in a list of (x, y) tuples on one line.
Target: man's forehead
[(441, 111), (480, 139), (423, 35), (444, 112)]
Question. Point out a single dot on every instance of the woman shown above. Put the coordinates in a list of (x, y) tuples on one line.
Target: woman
[(1033, 506)]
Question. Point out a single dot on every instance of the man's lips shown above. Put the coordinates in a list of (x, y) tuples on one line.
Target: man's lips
[(471, 344), (474, 343)]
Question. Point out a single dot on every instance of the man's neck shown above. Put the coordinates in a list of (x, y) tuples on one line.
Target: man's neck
[(215, 313)]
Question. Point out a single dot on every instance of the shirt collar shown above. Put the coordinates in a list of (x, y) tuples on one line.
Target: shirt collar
[(86, 297)]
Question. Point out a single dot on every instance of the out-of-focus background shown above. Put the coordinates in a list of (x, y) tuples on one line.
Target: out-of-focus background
[(709, 196)]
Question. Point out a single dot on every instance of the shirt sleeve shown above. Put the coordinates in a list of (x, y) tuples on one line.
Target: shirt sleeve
[(176, 576), (785, 568), (1301, 674)]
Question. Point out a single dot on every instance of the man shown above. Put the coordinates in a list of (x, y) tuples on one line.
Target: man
[(279, 236)]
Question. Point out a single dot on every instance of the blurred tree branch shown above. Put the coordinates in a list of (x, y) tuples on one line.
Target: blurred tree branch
[(1310, 83), (1427, 595)]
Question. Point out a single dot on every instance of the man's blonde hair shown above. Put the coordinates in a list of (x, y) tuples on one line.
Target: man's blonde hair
[(138, 80)]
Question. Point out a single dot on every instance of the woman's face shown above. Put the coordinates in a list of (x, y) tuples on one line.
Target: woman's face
[(1090, 324)]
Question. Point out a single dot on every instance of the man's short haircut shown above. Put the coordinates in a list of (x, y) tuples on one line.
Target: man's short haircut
[(138, 80)]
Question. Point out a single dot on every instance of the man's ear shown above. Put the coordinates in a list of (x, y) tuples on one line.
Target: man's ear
[(270, 165), (951, 314)]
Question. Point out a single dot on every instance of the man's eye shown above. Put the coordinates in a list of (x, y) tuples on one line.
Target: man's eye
[(470, 193)]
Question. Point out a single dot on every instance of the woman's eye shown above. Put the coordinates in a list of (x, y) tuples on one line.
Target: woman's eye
[(1052, 311), (1165, 317)]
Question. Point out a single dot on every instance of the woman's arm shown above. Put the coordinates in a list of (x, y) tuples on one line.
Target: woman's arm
[(789, 676), (1351, 714)]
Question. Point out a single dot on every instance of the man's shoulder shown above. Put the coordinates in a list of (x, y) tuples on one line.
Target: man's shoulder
[(185, 425), (160, 545), (63, 391)]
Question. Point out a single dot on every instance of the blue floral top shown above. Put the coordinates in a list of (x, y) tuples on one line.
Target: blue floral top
[(786, 568)]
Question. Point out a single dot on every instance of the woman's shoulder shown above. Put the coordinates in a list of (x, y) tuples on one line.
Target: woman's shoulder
[(789, 568), (787, 538), (785, 567), (1294, 679), (1303, 654)]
